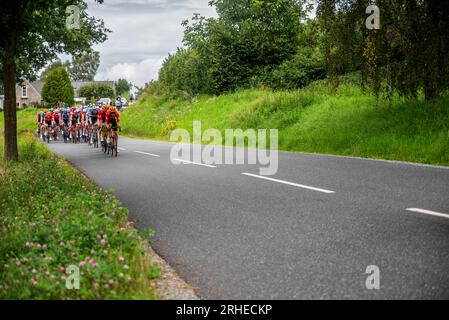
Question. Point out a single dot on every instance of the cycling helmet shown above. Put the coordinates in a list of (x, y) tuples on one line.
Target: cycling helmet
[(112, 109)]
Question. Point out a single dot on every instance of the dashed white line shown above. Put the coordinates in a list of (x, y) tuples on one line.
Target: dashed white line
[(428, 212), (195, 163), (121, 149), (148, 154), (289, 183)]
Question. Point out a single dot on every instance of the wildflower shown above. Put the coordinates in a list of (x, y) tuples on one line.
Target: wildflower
[(82, 263), (121, 259), (106, 286), (63, 278), (103, 242), (44, 247), (17, 262), (126, 267), (62, 244), (33, 271), (91, 213)]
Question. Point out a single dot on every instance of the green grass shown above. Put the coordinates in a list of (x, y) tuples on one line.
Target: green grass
[(52, 217), (346, 122)]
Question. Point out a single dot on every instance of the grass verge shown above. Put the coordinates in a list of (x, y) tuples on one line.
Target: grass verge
[(51, 218), (316, 119)]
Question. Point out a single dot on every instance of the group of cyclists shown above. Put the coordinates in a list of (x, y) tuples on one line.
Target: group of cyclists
[(95, 124)]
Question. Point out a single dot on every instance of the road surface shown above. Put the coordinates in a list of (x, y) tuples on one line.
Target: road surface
[(309, 232)]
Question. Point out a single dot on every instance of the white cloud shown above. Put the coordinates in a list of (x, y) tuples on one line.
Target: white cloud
[(143, 33), (138, 73)]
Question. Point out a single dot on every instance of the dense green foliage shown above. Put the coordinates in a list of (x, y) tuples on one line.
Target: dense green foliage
[(316, 119), (271, 43), (246, 45), (49, 68), (123, 87), (408, 55), (58, 87), (96, 90)]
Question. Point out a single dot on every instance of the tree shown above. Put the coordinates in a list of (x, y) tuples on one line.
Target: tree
[(58, 87), (122, 86), (84, 66), (408, 55), (248, 37), (96, 90), (56, 64), (33, 32)]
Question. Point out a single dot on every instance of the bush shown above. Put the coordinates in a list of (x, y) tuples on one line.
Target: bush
[(58, 87)]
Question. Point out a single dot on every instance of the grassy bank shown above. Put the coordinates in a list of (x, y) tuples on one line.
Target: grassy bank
[(51, 218), (346, 122)]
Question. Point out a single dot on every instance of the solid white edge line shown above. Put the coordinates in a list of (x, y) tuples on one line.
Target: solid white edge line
[(147, 154), (195, 163), (289, 183), (428, 212)]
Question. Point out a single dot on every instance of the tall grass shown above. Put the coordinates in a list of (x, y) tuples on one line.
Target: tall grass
[(347, 121)]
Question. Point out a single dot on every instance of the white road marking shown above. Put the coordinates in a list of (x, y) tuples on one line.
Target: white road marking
[(428, 212), (122, 149), (148, 154), (289, 183), (195, 163)]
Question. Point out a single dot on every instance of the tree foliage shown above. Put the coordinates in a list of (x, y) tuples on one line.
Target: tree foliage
[(123, 86), (55, 64), (409, 54), (96, 90), (84, 66), (58, 87), (248, 38)]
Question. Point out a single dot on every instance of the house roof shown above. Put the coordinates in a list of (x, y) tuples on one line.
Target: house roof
[(37, 85)]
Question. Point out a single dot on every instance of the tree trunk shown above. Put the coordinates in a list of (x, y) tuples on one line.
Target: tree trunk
[(9, 83)]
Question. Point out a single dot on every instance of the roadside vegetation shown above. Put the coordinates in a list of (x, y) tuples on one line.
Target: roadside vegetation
[(317, 119), (51, 218)]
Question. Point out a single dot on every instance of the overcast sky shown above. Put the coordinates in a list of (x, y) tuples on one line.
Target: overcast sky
[(143, 33)]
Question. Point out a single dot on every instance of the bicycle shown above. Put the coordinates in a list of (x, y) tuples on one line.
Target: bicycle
[(94, 136), (113, 143), (65, 133), (45, 133), (104, 134), (74, 134)]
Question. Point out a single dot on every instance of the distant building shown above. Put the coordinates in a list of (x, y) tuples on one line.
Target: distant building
[(29, 93)]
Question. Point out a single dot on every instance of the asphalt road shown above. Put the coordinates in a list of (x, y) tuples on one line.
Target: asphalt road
[(233, 235)]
